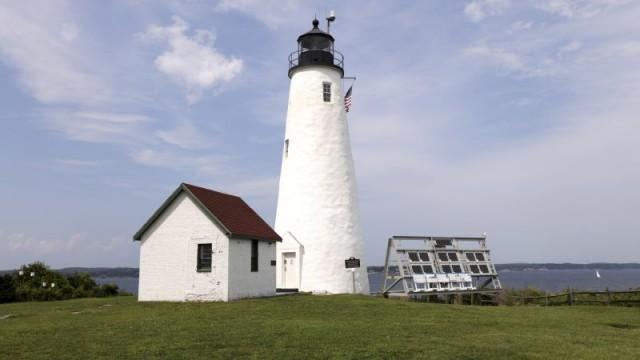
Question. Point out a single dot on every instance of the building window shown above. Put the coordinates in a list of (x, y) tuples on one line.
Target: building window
[(254, 255), (417, 269), (326, 91), (204, 257), (413, 257)]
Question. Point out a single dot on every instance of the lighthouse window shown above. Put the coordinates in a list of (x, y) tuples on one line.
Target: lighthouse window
[(286, 148), (326, 91)]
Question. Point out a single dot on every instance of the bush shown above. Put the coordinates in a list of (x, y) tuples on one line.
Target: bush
[(513, 296), (83, 285), (7, 288), (107, 290), (36, 282)]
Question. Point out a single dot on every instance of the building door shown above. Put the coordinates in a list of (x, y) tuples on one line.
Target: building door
[(289, 270)]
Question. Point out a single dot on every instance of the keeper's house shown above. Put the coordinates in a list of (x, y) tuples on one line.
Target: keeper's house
[(203, 245)]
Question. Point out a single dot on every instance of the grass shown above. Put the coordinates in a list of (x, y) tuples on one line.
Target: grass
[(303, 326)]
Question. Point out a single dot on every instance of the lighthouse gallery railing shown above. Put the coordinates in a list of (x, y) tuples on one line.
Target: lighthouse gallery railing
[(338, 58)]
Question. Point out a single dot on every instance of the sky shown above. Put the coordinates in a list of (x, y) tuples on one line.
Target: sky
[(519, 119)]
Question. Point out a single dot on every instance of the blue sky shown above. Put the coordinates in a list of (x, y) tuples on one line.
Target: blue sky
[(515, 118)]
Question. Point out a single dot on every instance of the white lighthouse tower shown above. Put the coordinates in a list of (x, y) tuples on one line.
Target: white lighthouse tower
[(317, 214)]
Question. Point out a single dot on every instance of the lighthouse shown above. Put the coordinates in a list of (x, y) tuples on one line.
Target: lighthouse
[(317, 214)]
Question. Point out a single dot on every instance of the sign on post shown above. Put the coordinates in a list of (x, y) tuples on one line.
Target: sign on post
[(351, 263)]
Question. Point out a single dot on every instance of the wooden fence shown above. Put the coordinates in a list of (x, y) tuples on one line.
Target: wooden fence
[(571, 297)]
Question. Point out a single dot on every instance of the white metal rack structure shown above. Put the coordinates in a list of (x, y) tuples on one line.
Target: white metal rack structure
[(417, 265)]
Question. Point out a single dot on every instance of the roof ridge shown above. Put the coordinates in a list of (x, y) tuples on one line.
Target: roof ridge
[(214, 191)]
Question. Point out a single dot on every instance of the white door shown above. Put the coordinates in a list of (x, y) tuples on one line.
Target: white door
[(289, 270)]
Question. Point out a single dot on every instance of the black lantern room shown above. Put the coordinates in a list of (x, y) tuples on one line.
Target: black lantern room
[(315, 47)]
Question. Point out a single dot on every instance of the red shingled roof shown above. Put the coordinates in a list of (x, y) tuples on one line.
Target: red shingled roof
[(231, 212)]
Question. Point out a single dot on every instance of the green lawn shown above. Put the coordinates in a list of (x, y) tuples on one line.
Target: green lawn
[(303, 326)]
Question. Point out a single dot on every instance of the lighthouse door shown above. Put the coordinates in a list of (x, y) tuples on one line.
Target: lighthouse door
[(289, 270)]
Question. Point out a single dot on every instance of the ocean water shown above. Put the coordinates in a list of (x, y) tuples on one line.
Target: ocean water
[(549, 280), (128, 284), (556, 280)]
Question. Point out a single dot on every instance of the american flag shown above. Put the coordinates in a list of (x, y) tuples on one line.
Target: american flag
[(347, 99)]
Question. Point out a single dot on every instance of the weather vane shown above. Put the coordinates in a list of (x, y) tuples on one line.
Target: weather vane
[(331, 18)]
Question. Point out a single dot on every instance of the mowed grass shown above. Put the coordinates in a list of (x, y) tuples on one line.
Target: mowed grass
[(304, 326)]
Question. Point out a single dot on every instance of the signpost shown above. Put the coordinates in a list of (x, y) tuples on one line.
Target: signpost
[(352, 264)]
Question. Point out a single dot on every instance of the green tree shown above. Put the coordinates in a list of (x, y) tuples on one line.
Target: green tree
[(36, 282), (83, 285)]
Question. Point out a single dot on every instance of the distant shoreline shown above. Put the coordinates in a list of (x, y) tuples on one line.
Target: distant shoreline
[(550, 266), (133, 272)]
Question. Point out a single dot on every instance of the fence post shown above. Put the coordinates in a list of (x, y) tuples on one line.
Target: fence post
[(608, 297), (546, 300), (570, 297)]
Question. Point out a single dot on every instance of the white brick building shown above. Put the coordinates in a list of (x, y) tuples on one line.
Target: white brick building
[(205, 245)]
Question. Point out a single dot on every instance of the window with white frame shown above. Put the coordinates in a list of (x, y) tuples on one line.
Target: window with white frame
[(326, 91)]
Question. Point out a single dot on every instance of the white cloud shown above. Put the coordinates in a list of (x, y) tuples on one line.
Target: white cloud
[(69, 32), (19, 248), (202, 165), (572, 46), (520, 26), (20, 242), (498, 56), (516, 64), (478, 10), (185, 135), (98, 127), (273, 13), (51, 69), (256, 187), (192, 61), (77, 162), (577, 8)]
